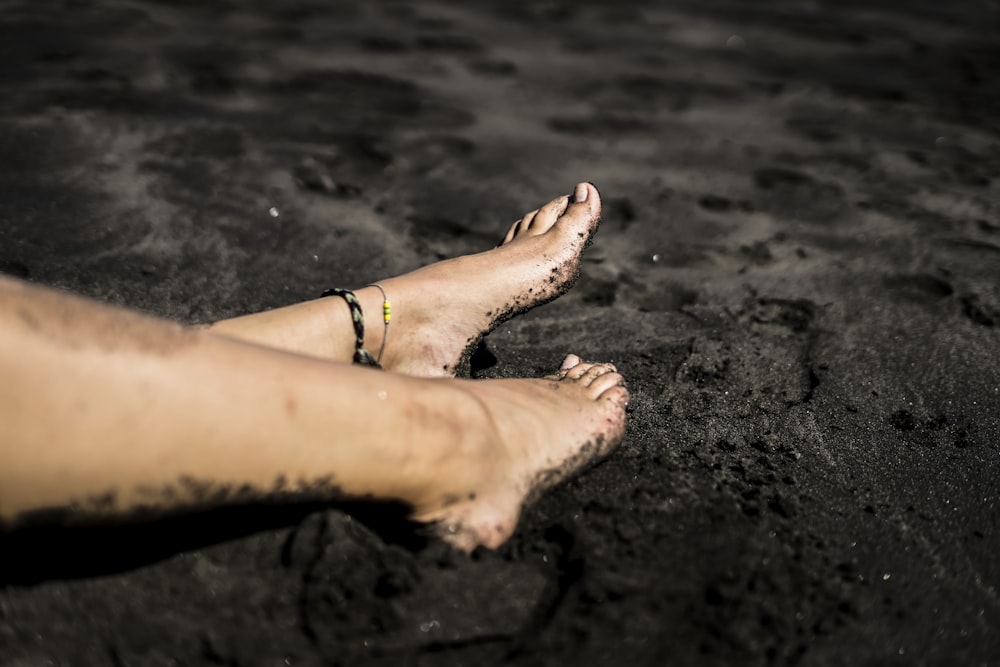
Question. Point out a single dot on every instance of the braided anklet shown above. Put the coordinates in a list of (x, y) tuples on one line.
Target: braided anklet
[(363, 357)]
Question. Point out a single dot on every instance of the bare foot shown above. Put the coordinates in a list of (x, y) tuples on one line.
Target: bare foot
[(537, 433), (441, 312)]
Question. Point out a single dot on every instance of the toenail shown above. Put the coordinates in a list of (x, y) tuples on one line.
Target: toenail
[(582, 192)]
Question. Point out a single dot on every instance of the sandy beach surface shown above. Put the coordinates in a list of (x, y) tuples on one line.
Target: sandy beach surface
[(798, 271)]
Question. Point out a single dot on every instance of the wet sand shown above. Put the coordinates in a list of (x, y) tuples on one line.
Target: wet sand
[(798, 271)]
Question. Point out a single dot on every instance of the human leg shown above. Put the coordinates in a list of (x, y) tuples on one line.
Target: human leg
[(440, 311), (108, 412)]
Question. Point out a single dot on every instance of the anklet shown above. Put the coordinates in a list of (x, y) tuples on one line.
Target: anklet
[(386, 316), (362, 357)]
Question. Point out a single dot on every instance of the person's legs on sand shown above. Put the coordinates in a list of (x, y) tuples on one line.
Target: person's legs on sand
[(440, 312), (108, 412)]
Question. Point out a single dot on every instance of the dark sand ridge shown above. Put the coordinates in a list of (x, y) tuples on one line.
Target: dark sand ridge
[(798, 274)]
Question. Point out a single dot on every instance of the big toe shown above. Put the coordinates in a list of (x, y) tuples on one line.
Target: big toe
[(617, 397), (585, 204), (582, 208), (569, 362)]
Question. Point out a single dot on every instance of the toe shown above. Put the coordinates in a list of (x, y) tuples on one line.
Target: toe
[(578, 371), (617, 395), (570, 361), (526, 223), (594, 372), (548, 214), (520, 227), (512, 232), (585, 201), (602, 383)]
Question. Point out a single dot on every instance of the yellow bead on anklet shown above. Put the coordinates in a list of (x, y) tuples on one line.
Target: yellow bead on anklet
[(386, 316)]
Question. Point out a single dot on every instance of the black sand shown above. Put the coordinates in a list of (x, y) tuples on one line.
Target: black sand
[(798, 273)]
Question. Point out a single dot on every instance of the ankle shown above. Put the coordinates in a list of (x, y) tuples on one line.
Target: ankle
[(462, 450), (377, 334)]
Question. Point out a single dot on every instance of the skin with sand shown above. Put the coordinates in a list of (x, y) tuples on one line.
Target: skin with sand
[(159, 417)]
